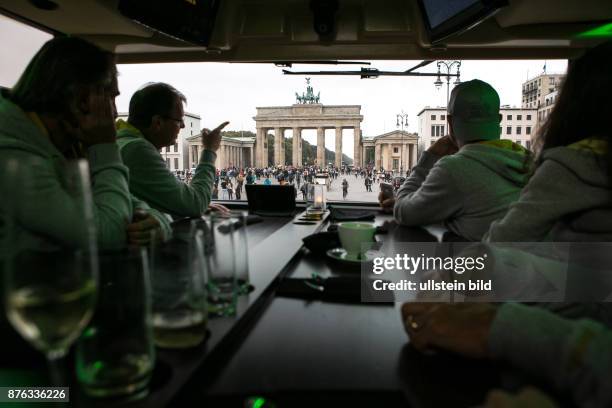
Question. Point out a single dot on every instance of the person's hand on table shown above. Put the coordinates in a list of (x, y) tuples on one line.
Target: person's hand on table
[(386, 204), (460, 328), (211, 139), (143, 227), (219, 208), (528, 397), (445, 146)]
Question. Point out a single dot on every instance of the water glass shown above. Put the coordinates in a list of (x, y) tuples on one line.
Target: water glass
[(310, 194), (219, 250), (241, 251), (180, 311), (115, 354)]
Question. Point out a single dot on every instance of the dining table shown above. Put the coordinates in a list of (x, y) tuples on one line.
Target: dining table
[(287, 346)]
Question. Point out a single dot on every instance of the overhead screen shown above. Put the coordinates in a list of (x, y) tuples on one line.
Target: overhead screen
[(444, 18), (187, 20)]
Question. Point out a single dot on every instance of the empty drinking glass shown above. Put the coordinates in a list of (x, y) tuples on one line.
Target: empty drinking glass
[(115, 354), (241, 251), (180, 312), (219, 251)]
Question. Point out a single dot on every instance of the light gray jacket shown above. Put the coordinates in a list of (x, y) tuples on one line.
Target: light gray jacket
[(569, 198), (466, 191)]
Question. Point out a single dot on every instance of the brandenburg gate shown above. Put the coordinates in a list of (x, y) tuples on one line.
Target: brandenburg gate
[(308, 113)]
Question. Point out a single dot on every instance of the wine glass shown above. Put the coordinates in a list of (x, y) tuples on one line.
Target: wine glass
[(49, 286)]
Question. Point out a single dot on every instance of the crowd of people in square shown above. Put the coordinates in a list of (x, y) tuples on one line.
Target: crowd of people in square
[(480, 187), (229, 182)]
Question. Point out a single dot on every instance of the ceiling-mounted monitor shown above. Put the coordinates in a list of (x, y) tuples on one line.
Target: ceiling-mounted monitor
[(444, 18), (187, 20)]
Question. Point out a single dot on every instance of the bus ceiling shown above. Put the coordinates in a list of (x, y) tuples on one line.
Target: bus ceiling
[(324, 30)]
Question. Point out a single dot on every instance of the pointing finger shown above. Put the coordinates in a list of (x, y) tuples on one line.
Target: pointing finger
[(221, 126)]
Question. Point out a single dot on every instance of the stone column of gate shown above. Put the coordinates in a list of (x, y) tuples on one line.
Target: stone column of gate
[(296, 160), (277, 142), (281, 146), (357, 147), (364, 155), (338, 160), (259, 147), (321, 147), (377, 156), (301, 148), (264, 149), (413, 153)]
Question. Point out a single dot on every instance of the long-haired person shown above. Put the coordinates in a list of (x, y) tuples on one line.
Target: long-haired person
[(569, 198), (63, 107)]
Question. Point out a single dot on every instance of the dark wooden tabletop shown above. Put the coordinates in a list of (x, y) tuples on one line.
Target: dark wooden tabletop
[(301, 352), (298, 352)]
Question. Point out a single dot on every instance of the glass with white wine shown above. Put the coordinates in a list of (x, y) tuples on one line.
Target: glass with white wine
[(50, 285), (50, 315)]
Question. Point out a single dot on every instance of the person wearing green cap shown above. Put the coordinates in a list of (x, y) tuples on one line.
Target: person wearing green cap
[(468, 178)]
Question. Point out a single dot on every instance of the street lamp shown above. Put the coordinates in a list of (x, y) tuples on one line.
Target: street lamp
[(401, 121), (449, 67)]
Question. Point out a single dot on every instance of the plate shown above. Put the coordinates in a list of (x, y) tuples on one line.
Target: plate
[(340, 254)]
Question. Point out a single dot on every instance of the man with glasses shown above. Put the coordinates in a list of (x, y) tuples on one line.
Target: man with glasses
[(155, 120)]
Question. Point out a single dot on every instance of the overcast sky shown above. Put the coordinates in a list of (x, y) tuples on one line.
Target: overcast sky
[(221, 91)]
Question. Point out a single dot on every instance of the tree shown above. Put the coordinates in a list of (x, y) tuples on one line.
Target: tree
[(237, 133)]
